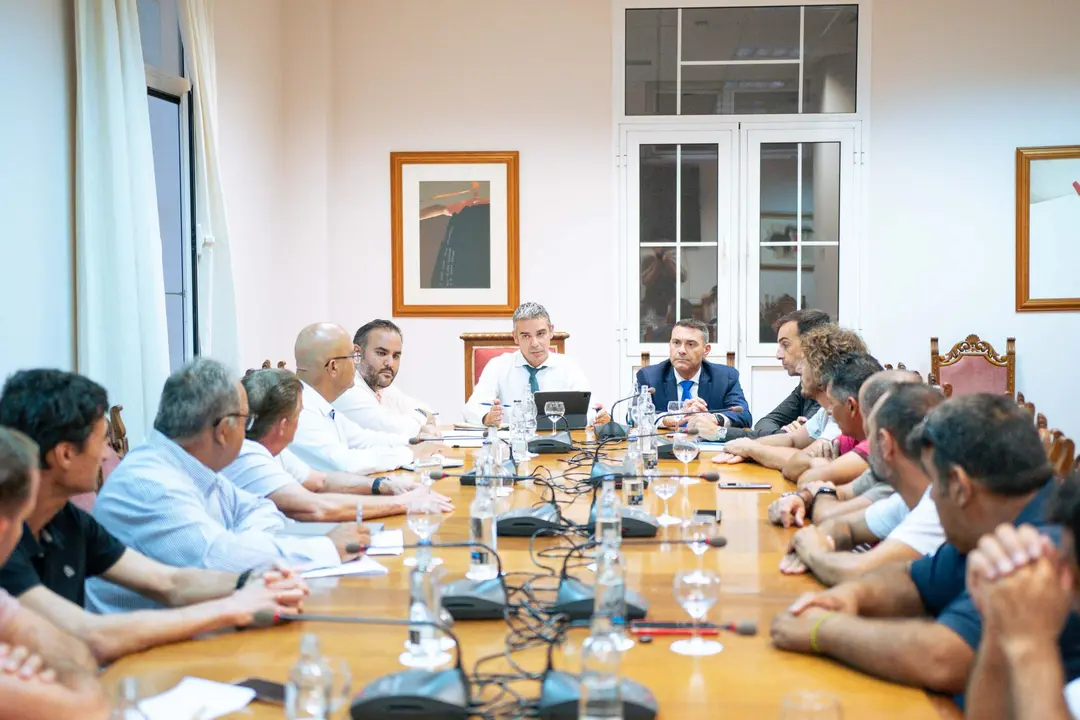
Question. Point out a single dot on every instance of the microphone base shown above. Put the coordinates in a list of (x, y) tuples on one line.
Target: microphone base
[(665, 450), (561, 691), (469, 478), (599, 470), (610, 431), (575, 599), (558, 443), (475, 599), (527, 521), (636, 523), (430, 694)]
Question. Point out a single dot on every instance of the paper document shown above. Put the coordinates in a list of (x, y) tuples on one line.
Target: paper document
[(446, 463), (196, 699), (388, 542), (363, 566), (468, 426)]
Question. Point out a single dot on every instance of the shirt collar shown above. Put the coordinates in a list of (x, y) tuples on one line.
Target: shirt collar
[(679, 378), (520, 361), (314, 401), (51, 536), (1034, 513)]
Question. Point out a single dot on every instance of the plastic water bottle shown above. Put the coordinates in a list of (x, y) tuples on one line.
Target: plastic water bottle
[(126, 706), (530, 415), (307, 694), (649, 458), (610, 598), (601, 674), (608, 514), (423, 641), (633, 468), (519, 441), (482, 566)]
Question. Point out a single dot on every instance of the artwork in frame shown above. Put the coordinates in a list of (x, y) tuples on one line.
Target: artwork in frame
[(454, 229), (1047, 228)]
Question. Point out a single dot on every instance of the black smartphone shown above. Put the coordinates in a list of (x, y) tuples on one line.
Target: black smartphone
[(266, 691), (711, 514)]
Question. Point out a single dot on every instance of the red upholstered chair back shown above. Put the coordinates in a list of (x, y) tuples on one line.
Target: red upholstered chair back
[(973, 366), (480, 348)]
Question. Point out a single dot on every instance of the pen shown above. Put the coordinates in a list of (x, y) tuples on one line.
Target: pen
[(744, 486)]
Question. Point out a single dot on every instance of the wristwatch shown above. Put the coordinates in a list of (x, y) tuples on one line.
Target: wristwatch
[(376, 484), (244, 577), (826, 491)]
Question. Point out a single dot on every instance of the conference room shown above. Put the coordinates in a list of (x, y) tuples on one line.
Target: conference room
[(579, 358)]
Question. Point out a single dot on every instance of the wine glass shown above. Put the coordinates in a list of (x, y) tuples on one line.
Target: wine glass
[(700, 529), (809, 705), (340, 685), (697, 591), (674, 407), (665, 487), (554, 410), (685, 448), (425, 466), (424, 517)]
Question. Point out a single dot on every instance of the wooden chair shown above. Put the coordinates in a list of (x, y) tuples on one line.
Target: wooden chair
[(973, 366), (1063, 456), (646, 360), (481, 347)]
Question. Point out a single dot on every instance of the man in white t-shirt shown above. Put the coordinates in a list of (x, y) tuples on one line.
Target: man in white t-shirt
[(266, 468), (901, 534), (374, 402)]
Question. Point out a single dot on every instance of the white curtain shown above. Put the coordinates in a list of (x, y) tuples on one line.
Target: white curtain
[(217, 294), (122, 336)]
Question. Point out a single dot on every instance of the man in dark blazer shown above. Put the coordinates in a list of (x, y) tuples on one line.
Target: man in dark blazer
[(700, 385)]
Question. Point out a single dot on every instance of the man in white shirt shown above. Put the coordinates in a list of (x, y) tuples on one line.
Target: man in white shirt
[(267, 469), (533, 368), (374, 402), (906, 523), (169, 501), (325, 438)]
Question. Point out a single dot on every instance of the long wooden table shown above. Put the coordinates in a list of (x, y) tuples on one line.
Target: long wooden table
[(747, 680)]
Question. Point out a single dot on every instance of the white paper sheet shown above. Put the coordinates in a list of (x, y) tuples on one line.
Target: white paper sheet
[(363, 566), (388, 542), (196, 699), (446, 462)]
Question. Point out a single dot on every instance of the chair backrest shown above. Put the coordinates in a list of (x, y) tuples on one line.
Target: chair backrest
[(1062, 456), (973, 366), (646, 360), (481, 347)]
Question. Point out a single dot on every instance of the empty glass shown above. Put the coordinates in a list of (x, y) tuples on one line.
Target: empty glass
[(697, 591), (554, 410), (700, 529), (341, 686), (425, 466), (685, 448), (809, 705), (665, 487), (423, 518), (674, 407)]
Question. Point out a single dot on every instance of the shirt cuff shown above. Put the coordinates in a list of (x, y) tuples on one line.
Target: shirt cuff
[(323, 554)]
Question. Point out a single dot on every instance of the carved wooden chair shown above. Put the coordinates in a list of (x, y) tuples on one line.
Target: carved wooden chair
[(973, 366), (481, 347), (1062, 456)]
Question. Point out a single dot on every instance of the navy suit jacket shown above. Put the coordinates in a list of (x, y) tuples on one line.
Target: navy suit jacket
[(718, 386)]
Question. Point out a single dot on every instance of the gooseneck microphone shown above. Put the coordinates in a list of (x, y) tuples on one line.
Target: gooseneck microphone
[(439, 694), (613, 430)]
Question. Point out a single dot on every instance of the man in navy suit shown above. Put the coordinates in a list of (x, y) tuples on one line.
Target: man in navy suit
[(700, 386)]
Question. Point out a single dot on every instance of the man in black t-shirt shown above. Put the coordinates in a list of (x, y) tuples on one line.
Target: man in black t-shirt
[(61, 545)]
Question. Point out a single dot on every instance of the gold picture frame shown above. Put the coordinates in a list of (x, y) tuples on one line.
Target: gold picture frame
[(1048, 193)]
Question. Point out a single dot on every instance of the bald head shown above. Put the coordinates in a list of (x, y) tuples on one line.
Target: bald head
[(324, 359), (879, 383)]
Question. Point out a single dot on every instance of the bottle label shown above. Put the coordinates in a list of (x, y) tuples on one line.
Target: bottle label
[(635, 498), (651, 461), (479, 556), (414, 637)]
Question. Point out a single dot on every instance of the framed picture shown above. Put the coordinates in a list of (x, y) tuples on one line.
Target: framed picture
[(454, 228), (1047, 228)]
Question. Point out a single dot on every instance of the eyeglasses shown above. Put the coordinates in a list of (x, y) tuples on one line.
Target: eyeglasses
[(248, 424), (354, 357)]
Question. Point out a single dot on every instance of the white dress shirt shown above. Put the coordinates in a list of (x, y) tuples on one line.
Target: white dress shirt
[(391, 411), (506, 378), (260, 473), (167, 505), (327, 440)]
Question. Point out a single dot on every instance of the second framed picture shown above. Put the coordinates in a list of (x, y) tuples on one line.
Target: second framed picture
[(454, 228)]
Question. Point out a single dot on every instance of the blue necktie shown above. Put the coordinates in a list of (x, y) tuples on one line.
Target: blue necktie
[(534, 386), (686, 385)]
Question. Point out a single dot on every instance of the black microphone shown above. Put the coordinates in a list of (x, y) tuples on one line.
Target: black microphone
[(440, 694), (743, 627)]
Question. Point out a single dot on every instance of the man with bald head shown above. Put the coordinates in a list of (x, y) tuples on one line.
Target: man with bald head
[(326, 439)]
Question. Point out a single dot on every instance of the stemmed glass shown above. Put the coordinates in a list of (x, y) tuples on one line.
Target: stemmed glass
[(809, 705), (674, 407), (665, 487), (697, 591), (424, 517), (340, 687), (685, 448), (554, 410), (425, 466), (700, 529)]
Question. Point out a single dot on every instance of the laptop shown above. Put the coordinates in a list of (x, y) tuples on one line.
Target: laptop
[(576, 403)]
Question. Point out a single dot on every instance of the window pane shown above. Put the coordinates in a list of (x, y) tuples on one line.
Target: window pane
[(777, 295), (656, 193), (166, 141), (762, 33), (699, 193), (821, 279), (657, 291), (699, 287), (651, 59), (830, 49), (174, 317), (159, 33), (740, 89), (778, 193), (821, 191)]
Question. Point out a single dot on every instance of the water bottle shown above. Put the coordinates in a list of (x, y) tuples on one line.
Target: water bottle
[(423, 641), (601, 670), (530, 416), (633, 468), (519, 441), (482, 565), (649, 458), (307, 694), (608, 514), (126, 706)]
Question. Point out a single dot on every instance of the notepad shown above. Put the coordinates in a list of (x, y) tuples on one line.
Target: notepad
[(388, 542), (446, 463), (193, 698), (364, 566)]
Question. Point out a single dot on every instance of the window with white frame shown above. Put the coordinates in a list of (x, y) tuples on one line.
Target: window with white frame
[(168, 103)]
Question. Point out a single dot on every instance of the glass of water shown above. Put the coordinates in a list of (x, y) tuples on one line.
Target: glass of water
[(423, 518), (697, 591), (809, 705), (340, 686), (554, 410), (700, 529), (674, 407), (685, 448), (425, 466), (665, 487)]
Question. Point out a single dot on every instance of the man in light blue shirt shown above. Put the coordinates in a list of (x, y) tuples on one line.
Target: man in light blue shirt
[(168, 500)]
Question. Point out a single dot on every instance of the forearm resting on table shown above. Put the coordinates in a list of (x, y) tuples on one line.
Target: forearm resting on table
[(833, 568), (888, 592), (827, 507), (305, 506), (37, 700), (770, 456), (840, 472)]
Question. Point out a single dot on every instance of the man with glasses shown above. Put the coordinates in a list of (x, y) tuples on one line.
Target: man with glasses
[(325, 438), (168, 498)]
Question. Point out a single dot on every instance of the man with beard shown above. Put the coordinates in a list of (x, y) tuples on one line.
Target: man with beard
[(374, 402)]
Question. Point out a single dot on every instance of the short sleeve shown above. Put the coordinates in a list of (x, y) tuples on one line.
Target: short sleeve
[(18, 574), (846, 443), (103, 550), (879, 491), (921, 530), (961, 617), (816, 424), (939, 578), (293, 465), (862, 449), (863, 483), (885, 515)]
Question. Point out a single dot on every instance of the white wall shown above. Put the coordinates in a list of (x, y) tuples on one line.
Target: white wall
[(37, 72), (957, 87)]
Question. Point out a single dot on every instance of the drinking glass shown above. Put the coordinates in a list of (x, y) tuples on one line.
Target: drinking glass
[(554, 410), (809, 705), (425, 466), (424, 517), (340, 686), (685, 448), (674, 407), (697, 591), (665, 488), (700, 529)]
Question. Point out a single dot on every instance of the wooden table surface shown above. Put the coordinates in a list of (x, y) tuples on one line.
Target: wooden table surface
[(746, 680)]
